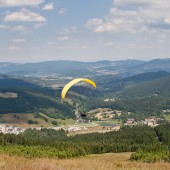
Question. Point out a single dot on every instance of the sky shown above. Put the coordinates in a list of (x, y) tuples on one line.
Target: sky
[(87, 30)]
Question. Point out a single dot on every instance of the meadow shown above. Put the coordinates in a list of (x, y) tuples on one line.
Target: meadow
[(109, 161)]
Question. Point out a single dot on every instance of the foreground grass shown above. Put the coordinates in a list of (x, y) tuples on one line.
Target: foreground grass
[(111, 161)]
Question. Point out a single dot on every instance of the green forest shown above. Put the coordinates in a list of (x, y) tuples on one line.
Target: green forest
[(149, 144), (35, 99)]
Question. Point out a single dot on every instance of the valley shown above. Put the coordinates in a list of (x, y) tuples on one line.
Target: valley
[(124, 102), (84, 85)]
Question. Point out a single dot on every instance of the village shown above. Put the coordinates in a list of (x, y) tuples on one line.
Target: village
[(10, 129), (99, 120), (106, 120)]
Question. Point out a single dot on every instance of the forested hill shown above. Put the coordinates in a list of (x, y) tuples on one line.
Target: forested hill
[(160, 87), (153, 65), (114, 84), (30, 100), (19, 96), (146, 76), (6, 82)]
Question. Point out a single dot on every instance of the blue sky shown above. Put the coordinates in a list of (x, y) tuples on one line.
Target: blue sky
[(87, 30)]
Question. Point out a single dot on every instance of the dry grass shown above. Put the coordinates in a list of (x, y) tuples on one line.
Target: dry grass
[(113, 161)]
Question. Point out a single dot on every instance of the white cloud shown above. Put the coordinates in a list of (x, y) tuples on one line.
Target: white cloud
[(49, 6), (38, 25), (70, 30), (51, 43), (110, 43), (132, 2), (24, 15), (84, 47), (14, 48), (13, 3), (4, 27), (61, 47), (19, 40), (67, 31), (64, 38), (62, 11), (134, 16), (94, 22), (132, 46), (18, 28), (167, 20)]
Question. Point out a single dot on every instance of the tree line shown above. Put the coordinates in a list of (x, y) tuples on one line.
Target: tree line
[(52, 143)]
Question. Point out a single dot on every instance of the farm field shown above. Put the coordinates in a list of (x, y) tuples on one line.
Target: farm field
[(110, 161)]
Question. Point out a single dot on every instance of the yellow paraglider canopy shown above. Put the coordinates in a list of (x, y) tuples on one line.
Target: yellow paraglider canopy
[(71, 83)]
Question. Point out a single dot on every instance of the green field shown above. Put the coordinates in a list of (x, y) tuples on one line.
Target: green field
[(167, 116)]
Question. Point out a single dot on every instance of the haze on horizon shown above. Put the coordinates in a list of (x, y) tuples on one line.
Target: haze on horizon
[(41, 30)]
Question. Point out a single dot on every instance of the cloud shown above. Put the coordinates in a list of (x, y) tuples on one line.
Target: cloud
[(134, 16), (18, 28), (133, 46), (84, 47), (38, 25), (132, 2), (62, 11), (49, 6), (4, 27), (67, 31), (70, 30), (19, 40), (14, 48), (51, 43), (14, 3), (24, 15), (64, 38), (108, 43), (94, 22)]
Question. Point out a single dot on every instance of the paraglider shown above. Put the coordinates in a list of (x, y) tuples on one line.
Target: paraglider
[(71, 83), (83, 115), (68, 86)]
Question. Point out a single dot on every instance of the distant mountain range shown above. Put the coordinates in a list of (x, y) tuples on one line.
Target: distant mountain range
[(75, 68), (67, 68)]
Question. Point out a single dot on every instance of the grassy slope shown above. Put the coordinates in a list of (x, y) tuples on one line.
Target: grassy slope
[(111, 161), (167, 116), (24, 117)]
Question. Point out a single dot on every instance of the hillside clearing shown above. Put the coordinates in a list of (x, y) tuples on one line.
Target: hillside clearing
[(21, 120)]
